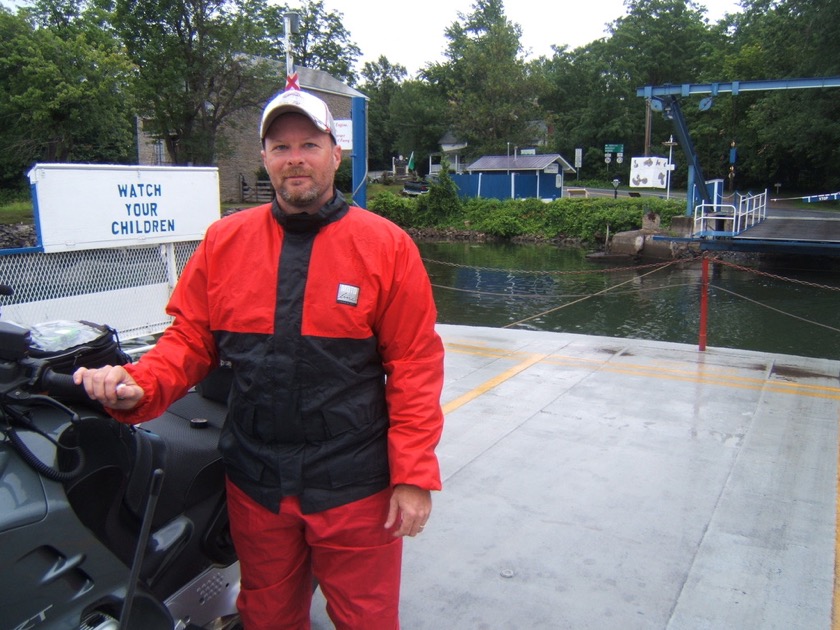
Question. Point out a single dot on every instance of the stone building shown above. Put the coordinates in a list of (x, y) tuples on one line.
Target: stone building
[(239, 161)]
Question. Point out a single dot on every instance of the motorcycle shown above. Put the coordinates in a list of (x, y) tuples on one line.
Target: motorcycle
[(104, 525)]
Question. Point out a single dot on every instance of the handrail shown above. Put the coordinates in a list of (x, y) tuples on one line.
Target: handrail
[(710, 216), (711, 219)]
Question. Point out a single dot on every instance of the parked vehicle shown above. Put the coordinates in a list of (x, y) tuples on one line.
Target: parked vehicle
[(412, 188), (104, 525)]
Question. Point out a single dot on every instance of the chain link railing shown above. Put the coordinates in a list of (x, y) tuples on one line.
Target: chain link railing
[(125, 288)]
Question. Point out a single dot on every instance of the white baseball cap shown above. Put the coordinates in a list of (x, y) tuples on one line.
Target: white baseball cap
[(301, 102)]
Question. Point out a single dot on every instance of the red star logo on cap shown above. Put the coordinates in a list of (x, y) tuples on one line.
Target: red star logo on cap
[(292, 82)]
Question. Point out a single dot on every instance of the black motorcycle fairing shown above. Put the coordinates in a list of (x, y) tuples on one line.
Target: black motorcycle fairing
[(67, 541)]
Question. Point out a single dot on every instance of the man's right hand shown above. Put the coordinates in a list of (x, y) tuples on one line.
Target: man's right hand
[(112, 386)]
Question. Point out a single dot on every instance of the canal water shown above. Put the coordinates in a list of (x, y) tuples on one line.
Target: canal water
[(787, 307)]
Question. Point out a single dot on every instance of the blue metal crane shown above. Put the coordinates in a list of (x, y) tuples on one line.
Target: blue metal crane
[(664, 98)]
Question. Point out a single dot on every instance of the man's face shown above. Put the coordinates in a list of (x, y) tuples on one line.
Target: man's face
[(301, 162)]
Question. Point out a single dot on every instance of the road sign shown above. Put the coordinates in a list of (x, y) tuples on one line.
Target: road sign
[(613, 148)]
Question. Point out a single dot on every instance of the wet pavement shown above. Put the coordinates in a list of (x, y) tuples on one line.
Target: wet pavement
[(594, 482)]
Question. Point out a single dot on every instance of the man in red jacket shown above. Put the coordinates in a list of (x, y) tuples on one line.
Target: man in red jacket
[(325, 313)]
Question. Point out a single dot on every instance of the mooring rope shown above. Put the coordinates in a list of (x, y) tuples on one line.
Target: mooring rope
[(774, 276), (549, 272), (654, 267), (596, 294), (777, 310)]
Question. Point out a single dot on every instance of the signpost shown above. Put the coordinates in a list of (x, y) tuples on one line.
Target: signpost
[(670, 144), (618, 149)]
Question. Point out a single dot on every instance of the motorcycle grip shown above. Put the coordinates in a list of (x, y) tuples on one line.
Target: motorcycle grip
[(62, 385)]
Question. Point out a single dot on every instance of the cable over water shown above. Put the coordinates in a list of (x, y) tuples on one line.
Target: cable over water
[(602, 292), (758, 272), (659, 301)]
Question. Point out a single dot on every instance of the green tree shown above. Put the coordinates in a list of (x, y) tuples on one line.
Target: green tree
[(589, 108), (442, 204), (660, 41), (788, 136), (418, 114), (591, 91), (657, 42), (381, 82), (195, 69), (64, 90), (485, 79), (322, 42)]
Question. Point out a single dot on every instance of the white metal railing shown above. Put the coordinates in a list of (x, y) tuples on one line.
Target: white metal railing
[(718, 219), (126, 288), (752, 209), (713, 219)]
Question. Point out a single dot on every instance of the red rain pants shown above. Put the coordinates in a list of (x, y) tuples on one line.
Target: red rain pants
[(356, 561)]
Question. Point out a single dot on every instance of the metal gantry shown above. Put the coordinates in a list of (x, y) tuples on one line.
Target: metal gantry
[(664, 98)]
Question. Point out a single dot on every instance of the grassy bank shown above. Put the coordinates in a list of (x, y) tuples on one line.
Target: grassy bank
[(14, 212)]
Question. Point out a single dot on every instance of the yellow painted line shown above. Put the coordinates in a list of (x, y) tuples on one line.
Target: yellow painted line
[(483, 351), (734, 382), (725, 380), (493, 382), (723, 377), (835, 602)]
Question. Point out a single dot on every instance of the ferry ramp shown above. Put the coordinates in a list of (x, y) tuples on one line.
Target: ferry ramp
[(599, 483), (807, 228), (775, 229)]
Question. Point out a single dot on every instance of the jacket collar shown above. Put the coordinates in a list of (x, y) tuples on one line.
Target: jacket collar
[(331, 211)]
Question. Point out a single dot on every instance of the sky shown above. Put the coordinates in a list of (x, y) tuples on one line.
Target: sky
[(412, 33)]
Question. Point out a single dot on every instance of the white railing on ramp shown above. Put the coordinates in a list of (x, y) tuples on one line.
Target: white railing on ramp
[(719, 219)]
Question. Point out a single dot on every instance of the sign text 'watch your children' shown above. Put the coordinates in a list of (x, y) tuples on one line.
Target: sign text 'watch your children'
[(101, 206)]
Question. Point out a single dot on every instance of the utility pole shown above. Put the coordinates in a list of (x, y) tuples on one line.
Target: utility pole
[(291, 24), (670, 144)]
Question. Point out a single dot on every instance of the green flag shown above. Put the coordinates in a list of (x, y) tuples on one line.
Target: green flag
[(411, 161)]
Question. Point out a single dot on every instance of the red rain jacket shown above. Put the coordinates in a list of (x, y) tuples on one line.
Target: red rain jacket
[(328, 324)]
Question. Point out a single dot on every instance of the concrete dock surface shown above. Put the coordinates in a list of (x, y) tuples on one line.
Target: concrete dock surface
[(604, 483)]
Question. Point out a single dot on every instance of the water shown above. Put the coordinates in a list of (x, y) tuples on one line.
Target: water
[(501, 285)]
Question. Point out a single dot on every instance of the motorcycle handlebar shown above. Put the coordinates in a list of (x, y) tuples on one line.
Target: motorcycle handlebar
[(62, 386), (57, 386)]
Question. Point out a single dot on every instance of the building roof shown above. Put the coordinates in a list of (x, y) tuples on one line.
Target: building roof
[(449, 138), (324, 82), (519, 163), (312, 79)]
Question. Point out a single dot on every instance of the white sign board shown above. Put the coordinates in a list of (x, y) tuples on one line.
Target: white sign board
[(99, 206), (648, 172), (344, 134)]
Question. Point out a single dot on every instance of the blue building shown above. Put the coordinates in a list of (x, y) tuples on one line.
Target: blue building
[(515, 177)]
